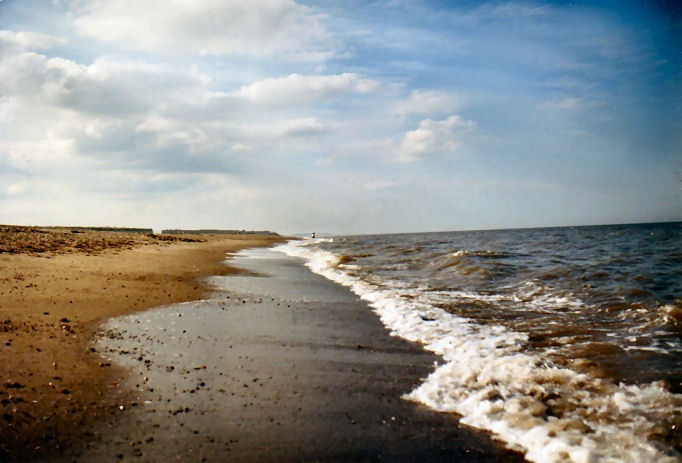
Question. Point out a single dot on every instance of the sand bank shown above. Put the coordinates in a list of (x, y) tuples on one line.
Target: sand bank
[(56, 287)]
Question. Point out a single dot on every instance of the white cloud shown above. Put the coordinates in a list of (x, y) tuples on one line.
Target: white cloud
[(154, 123), (105, 87), (60, 113), (428, 102), (11, 41), (234, 27), (302, 89), (302, 127), (22, 73), (15, 189), (125, 87), (49, 154), (434, 137)]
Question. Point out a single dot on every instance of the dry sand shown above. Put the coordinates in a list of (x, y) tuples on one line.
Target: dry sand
[(56, 287)]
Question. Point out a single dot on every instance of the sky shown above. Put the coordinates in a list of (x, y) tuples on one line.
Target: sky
[(341, 117)]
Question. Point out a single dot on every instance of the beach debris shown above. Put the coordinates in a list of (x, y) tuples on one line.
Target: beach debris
[(14, 385)]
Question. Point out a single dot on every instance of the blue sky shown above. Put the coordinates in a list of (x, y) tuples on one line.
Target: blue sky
[(340, 116)]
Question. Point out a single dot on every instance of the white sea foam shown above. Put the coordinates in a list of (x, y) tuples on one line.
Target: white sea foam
[(551, 413), (670, 314)]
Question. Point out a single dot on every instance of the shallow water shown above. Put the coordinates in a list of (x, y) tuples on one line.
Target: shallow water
[(565, 342)]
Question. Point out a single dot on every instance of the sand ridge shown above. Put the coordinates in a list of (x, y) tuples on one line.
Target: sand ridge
[(56, 286)]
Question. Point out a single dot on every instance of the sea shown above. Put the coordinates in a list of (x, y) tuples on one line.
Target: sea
[(564, 343)]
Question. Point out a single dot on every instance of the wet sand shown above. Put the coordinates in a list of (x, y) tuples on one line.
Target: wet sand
[(279, 365), (56, 287)]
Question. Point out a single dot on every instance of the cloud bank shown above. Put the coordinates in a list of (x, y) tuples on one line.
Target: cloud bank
[(261, 28), (386, 116)]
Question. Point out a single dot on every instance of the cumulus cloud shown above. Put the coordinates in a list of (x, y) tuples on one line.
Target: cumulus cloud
[(119, 128), (434, 137), (124, 87), (60, 114), (302, 89), (105, 87), (235, 27)]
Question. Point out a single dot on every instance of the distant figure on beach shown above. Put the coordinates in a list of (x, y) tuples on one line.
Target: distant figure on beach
[(313, 235)]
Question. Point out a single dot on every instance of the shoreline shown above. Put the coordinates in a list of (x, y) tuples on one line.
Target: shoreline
[(279, 364), (56, 287)]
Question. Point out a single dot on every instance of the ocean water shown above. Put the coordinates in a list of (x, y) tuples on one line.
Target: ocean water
[(565, 343)]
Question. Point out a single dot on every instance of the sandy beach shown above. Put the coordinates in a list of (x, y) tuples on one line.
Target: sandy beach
[(56, 287), (278, 365), (260, 360)]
